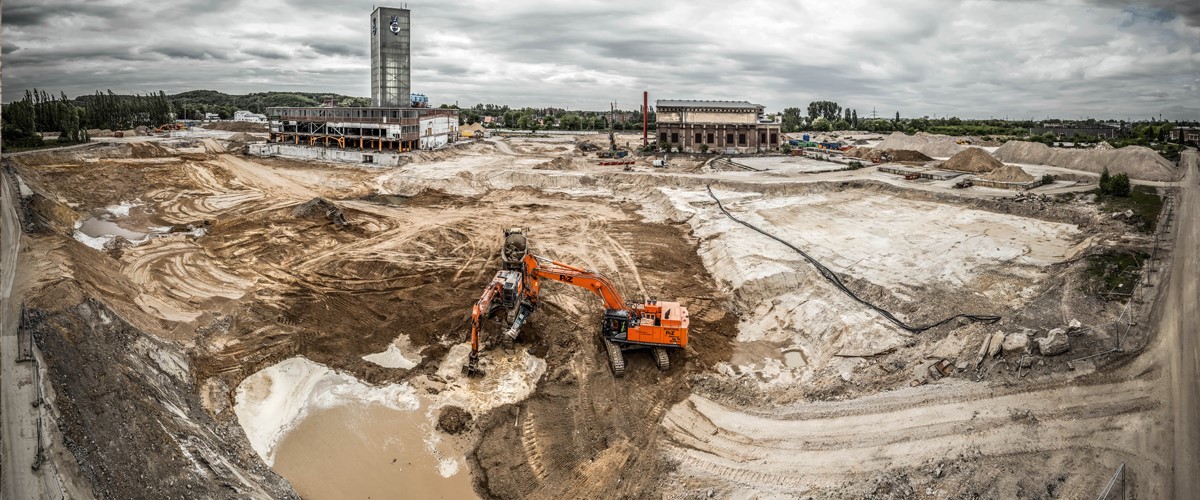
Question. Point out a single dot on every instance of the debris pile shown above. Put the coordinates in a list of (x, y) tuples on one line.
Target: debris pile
[(321, 206), (973, 160)]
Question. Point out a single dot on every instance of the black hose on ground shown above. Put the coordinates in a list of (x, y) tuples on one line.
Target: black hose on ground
[(833, 278)]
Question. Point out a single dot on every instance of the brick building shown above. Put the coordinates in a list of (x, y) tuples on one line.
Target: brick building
[(723, 126)]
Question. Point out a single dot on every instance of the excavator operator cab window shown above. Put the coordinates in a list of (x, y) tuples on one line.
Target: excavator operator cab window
[(616, 325)]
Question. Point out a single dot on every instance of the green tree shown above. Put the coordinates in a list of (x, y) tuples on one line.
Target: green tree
[(821, 125), (792, 121), (1119, 185), (828, 110)]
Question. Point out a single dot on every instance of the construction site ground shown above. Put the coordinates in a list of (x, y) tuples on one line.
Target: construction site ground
[(239, 339)]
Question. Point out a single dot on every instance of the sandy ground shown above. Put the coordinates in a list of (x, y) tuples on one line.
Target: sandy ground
[(273, 323)]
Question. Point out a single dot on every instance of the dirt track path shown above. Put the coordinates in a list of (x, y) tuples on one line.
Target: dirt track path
[(1178, 328)]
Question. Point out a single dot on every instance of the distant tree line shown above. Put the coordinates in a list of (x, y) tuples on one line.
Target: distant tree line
[(37, 112), (550, 118)]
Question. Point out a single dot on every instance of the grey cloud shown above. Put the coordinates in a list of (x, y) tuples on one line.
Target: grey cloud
[(1017, 58), (338, 49)]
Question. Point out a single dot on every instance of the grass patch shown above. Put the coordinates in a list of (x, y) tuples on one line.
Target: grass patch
[(1144, 201), (1112, 274), (45, 145)]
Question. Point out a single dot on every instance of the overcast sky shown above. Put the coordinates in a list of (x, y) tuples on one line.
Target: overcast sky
[(1021, 59)]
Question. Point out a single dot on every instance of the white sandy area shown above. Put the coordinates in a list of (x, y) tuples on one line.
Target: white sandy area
[(510, 379), (396, 355), (271, 401)]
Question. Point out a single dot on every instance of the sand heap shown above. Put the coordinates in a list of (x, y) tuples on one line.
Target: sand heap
[(972, 160), (930, 144), (1136, 161), (1008, 173)]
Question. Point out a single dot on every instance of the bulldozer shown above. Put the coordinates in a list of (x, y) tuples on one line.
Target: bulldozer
[(514, 294)]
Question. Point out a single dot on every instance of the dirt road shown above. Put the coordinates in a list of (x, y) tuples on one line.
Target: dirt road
[(1178, 327), (19, 418)]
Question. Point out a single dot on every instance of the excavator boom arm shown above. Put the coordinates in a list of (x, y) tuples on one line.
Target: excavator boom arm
[(540, 267)]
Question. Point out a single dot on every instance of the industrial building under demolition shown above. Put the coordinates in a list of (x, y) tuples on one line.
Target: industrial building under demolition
[(375, 134), (726, 126)]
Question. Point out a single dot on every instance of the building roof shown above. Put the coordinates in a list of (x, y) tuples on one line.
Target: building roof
[(683, 103)]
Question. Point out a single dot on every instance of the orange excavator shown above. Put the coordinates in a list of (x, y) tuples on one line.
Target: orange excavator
[(515, 292)]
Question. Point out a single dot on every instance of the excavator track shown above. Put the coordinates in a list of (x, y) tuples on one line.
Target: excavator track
[(661, 359), (615, 358)]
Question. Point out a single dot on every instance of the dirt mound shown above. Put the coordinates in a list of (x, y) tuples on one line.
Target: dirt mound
[(930, 144), (454, 420), (1136, 161), (231, 126), (860, 152), (148, 150), (906, 155), (560, 163), (244, 138), (972, 160), (1104, 146), (321, 206), (1008, 173)]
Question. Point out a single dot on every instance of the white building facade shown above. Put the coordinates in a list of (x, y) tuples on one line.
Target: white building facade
[(438, 130)]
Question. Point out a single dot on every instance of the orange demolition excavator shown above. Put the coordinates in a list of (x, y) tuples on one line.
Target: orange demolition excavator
[(651, 324)]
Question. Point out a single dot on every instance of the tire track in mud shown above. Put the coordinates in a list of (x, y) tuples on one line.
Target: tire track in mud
[(848, 441)]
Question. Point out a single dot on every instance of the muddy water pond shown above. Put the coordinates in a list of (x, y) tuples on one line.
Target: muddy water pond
[(369, 451)]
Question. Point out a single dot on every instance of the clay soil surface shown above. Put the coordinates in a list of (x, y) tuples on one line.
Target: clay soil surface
[(787, 388)]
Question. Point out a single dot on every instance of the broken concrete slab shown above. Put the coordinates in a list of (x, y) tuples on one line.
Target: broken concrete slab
[(1055, 343), (994, 344), (1016, 342)]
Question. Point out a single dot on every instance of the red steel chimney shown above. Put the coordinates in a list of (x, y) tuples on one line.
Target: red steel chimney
[(645, 117)]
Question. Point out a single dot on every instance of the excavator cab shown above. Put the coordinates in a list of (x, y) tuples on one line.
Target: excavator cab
[(615, 325), (510, 289)]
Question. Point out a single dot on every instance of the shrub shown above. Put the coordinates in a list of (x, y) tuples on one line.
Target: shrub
[(1047, 179)]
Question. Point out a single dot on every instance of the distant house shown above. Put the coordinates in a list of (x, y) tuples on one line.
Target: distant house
[(211, 117), (1186, 134), (246, 116), (489, 120)]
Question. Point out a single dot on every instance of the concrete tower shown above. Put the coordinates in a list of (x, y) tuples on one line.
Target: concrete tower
[(390, 68)]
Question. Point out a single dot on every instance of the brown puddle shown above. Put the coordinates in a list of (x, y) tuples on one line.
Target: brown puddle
[(367, 451)]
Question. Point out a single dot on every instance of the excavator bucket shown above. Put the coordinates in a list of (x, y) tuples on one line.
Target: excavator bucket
[(472, 369)]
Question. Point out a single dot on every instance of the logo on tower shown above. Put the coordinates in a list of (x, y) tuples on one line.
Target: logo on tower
[(395, 25), (374, 28)]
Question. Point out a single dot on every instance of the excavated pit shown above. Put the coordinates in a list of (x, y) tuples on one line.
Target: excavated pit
[(329, 350)]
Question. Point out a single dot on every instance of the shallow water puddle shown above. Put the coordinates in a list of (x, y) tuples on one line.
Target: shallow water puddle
[(369, 451), (334, 436)]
